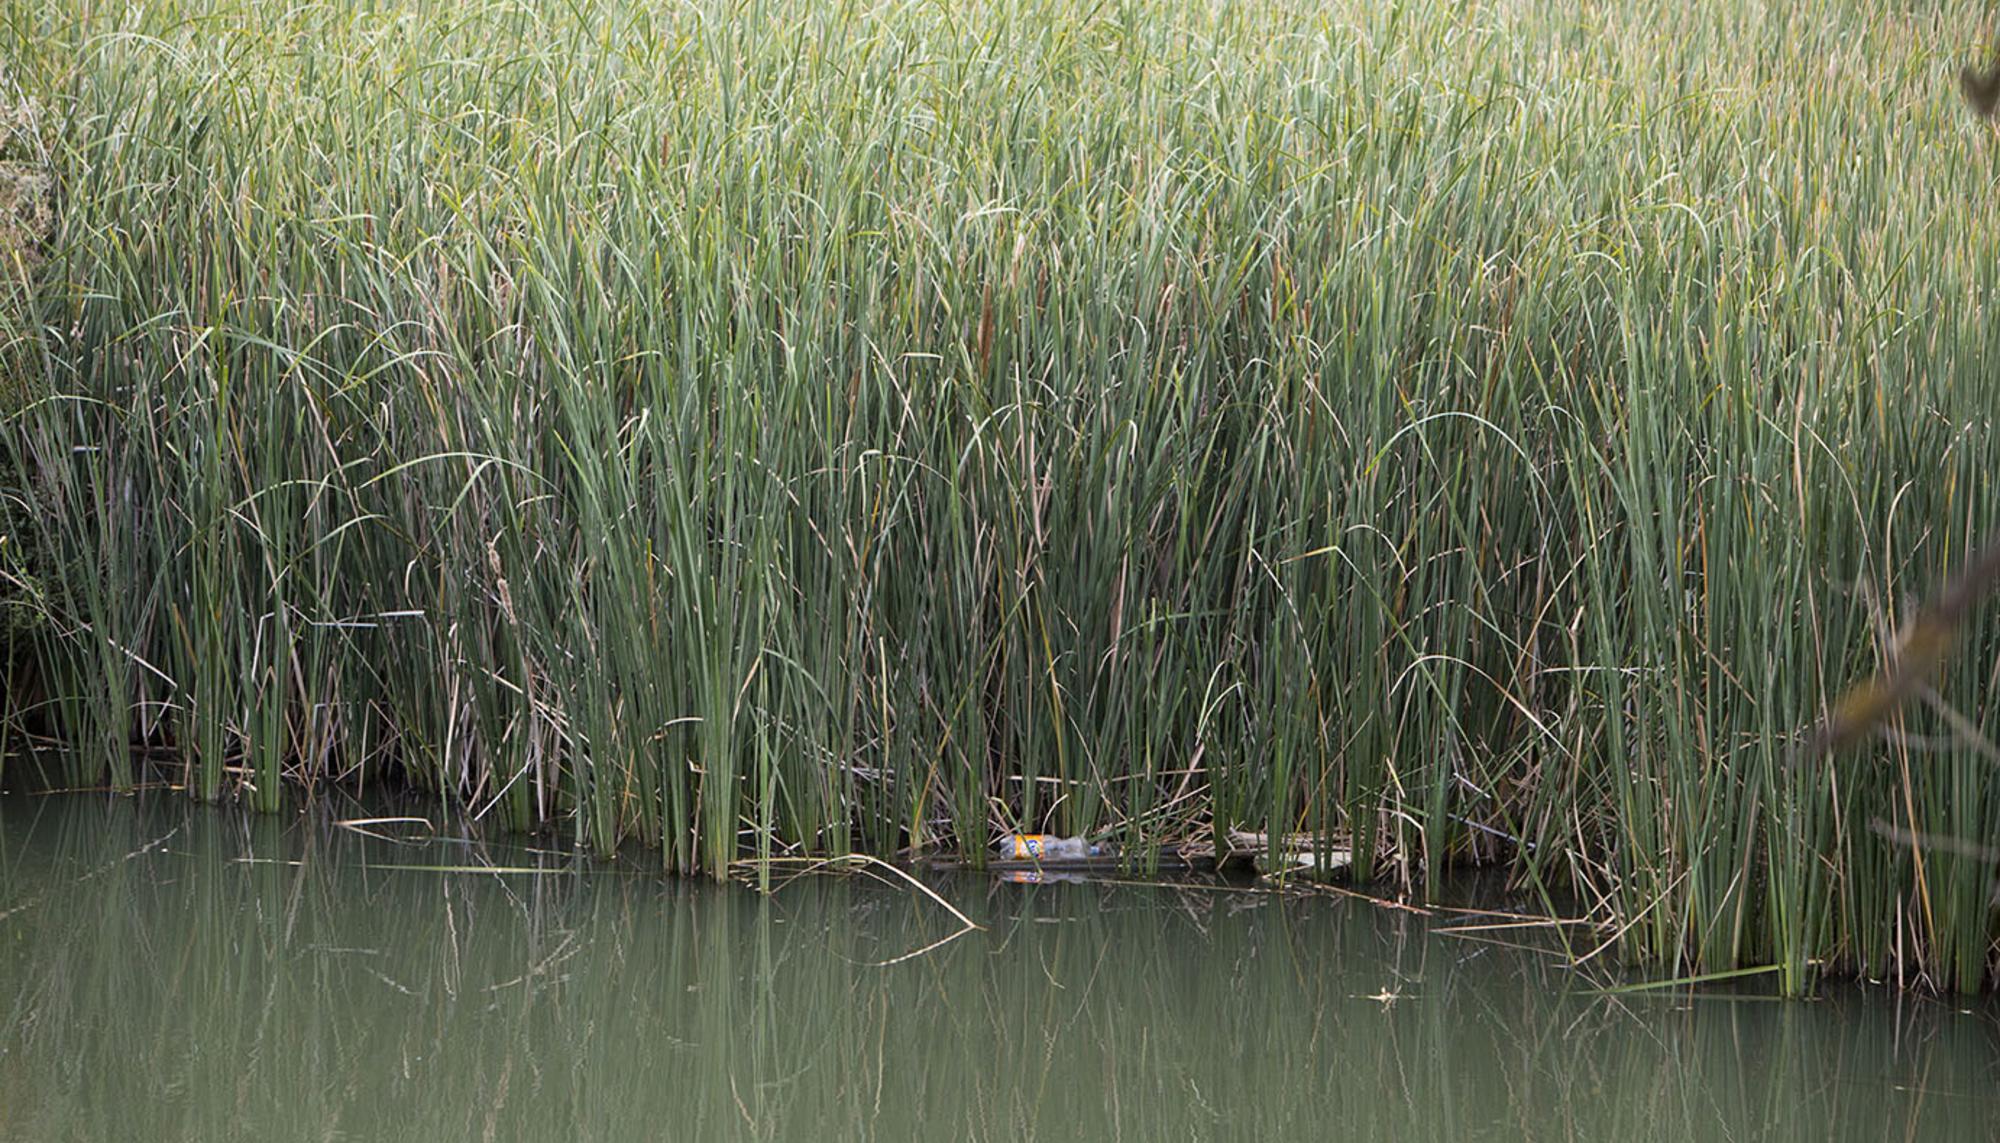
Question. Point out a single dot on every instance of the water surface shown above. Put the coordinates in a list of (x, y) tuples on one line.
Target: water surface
[(169, 972)]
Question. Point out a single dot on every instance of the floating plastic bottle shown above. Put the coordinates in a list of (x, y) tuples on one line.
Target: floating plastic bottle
[(1046, 847)]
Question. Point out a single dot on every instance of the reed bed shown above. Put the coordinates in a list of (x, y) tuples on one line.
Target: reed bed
[(1458, 432)]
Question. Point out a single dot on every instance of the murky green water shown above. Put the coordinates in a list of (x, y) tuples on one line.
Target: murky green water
[(155, 985)]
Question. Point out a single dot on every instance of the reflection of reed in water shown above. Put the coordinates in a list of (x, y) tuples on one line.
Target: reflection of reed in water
[(186, 994)]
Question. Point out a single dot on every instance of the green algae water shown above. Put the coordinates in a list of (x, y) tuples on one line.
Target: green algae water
[(169, 972)]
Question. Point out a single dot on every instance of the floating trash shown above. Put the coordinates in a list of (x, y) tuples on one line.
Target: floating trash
[(1047, 847)]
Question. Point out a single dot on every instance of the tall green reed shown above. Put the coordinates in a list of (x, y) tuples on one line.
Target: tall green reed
[(758, 426)]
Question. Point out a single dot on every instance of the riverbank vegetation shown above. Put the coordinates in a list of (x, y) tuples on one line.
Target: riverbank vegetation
[(1453, 432)]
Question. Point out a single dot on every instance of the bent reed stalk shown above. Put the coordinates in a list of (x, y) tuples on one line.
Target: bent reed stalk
[(1461, 433)]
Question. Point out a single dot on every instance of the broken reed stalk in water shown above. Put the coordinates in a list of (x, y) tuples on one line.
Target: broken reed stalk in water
[(760, 868)]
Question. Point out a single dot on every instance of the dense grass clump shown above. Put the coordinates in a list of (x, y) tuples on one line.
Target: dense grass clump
[(1457, 431)]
